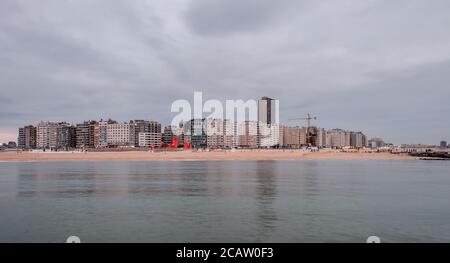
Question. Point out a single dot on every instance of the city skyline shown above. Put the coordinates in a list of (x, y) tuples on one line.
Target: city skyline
[(299, 125), (211, 133), (377, 66)]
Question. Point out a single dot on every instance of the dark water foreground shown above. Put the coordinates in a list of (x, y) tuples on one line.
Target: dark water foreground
[(225, 201)]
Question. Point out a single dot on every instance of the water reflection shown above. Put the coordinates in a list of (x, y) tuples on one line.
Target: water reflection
[(267, 201), (266, 194), (68, 181), (309, 176)]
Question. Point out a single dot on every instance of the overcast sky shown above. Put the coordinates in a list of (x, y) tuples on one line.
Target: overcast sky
[(380, 66)]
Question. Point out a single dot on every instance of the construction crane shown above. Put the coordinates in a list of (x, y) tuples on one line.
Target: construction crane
[(309, 118)]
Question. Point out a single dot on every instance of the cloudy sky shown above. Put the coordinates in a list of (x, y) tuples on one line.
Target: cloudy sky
[(381, 66)]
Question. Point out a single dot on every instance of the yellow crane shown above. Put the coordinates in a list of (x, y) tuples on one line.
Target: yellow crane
[(309, 118)]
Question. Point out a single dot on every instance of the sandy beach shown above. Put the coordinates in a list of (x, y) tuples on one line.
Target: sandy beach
[(199, 156)]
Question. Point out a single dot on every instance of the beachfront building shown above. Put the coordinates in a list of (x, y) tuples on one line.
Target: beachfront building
[(247, 133), (215, 133), (321, 137), (121, 135), (267, 111), (268, 130), (375, 143), (337, 138), (82, 133), (358, 140), (198, 136), (303, 136), (149, 139), (46, 135), (268, 135), (103, 132), (230, 139), (65, 136), (168, 135), (142, 126), (88, 135), (291, 137), (27, 137)]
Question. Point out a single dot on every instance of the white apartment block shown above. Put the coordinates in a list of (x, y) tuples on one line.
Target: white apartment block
[(120, 134), (269, 135), (149, 139)]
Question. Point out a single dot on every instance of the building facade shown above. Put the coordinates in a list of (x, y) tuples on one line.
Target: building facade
[(88, 135), (267, 111), (248, 134), (141, 126), (268, 129), (46, 135), (215, 133), (168, 135), (149, 139), (27, 137), (198, 136), (121, 134), (321, 138), (337, 138), (376, 143), (66, 136)]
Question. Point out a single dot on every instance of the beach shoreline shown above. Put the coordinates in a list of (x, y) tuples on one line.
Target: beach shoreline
[(239, 155)]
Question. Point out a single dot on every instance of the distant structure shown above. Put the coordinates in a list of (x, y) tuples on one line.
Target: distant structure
[(310, 131), (199, 138), (267, 111), (88, 135), (47, 135), (148, 131), (121, 135), (168, 135), (376, 143), (358, 140), (27, 138), (443, 144), (337, 138), (267, 128), (66, 136)]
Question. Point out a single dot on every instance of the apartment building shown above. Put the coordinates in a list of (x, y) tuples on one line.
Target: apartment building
[(65, 136), (142, 126), (46, 135), (358, 140), (121, 134), (149, 139), (215, 133), (88, 135), (27, 137), (337, 138), (248, 134), (168, 135), (198, 136)]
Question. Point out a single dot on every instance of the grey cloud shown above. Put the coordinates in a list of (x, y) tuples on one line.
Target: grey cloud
[(216, 17)]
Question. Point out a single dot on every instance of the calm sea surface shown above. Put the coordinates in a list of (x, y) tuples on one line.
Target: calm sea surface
[(230, 201)]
